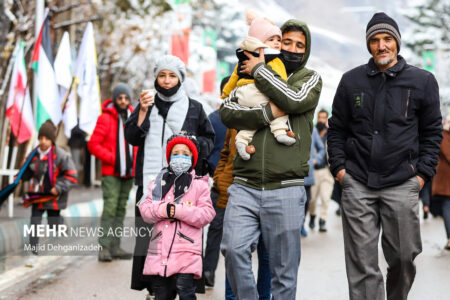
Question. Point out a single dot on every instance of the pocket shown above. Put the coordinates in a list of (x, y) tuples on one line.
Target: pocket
[(185, 237), (358, 99), (153, 248)]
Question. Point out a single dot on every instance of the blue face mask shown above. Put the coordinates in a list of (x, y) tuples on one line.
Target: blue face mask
[(180, 163)]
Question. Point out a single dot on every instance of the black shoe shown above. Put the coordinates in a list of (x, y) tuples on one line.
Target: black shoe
[(119, 253), (338, 212), (322, 225), (209, 278), (312, 219), (104, 255)]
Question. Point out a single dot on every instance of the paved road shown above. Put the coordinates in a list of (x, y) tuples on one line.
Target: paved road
[(321, 275)]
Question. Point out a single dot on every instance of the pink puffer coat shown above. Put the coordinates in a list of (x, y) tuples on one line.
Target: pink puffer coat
[(176, 247)]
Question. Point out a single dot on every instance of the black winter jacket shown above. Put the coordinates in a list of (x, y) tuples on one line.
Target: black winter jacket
[(385, 126), (196, 123)]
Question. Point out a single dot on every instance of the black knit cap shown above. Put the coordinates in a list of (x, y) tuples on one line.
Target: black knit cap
[(382, 23), (48, 130), (119, 89)]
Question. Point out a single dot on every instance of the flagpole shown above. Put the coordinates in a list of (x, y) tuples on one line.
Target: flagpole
[(63, 106), (40, 5)]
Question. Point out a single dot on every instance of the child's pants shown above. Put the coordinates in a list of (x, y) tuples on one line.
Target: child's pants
[(164, 287), (53, 218), (249, 95)]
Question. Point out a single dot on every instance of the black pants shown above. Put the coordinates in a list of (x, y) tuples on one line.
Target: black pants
[(214, 237), (53, 218), (164, 287)]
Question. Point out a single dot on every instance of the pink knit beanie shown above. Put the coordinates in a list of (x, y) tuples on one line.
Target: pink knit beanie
[(262, 28)]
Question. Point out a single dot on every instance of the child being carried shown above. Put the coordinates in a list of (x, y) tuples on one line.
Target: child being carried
[(262, 34)]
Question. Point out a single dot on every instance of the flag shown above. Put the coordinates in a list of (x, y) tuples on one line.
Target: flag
[(18, 106), (210, 38), (47, 102), (88, 84), (180, 46), (181, 27), (64, 75)]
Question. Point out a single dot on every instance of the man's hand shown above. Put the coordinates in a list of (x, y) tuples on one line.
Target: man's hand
[(248, 65), (54, 191), (276, 112), (340, 175), (421, 181)]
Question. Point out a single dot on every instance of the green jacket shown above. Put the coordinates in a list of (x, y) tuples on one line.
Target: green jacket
[(275, 165)]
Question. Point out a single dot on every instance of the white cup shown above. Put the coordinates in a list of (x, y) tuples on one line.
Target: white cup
[(151, 92)]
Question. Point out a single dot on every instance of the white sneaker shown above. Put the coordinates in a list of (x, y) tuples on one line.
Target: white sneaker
[(31, 261)]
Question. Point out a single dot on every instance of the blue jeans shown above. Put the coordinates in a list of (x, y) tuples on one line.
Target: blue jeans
[(277, 215), (263, 281)]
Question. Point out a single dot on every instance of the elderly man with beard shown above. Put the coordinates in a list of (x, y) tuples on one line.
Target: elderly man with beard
[(383, 145)]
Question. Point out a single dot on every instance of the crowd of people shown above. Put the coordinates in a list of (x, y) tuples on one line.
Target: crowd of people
[(271, 166)]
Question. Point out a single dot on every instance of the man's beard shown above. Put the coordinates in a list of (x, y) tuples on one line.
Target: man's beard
[(384, 62)]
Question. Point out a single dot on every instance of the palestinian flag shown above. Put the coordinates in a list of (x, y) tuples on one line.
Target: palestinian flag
[(48, 104)]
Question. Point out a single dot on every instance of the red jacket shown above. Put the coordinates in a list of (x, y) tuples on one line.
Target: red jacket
[(103, 142)]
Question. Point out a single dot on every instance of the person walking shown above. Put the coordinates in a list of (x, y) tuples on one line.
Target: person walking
[(440, 185), (178, 203), (317, 156), (383, 145), (108, 144), (155, 119), (52, 173), (267, 196), (324, 181)]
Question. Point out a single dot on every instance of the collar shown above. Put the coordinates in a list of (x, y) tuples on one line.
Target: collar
[(43, 153), (373, 70)]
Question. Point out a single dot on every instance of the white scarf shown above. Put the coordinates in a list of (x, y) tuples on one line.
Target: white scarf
[(122, 148)]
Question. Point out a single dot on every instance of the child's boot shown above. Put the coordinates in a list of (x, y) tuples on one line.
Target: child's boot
[(285, 139)]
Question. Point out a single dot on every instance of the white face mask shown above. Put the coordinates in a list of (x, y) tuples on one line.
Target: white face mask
[(180, 163)]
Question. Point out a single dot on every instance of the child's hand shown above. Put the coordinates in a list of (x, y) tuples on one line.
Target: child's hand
[(54, 191), (170, 210)]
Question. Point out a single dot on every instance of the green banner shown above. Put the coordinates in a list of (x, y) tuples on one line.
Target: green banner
[(223, 70), (429, 60), (210, 38), (178, 2)]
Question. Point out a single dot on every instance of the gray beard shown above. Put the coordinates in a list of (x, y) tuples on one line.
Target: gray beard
[(384, 62)]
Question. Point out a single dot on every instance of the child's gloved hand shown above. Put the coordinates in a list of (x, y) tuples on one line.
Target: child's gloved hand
[(170, 210)]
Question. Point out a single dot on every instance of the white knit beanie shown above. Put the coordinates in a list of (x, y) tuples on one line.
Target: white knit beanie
[(171, 63)]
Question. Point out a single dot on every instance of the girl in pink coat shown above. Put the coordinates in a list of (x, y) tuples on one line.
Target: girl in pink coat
[(179, 205)]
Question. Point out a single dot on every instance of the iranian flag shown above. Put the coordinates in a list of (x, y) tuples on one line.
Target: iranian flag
[(48, 104), (18, 107)]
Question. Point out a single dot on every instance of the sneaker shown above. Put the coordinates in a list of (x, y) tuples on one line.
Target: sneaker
[(447, 247), (119, 253), (322, 225), (31, 261), (209, 278), (303, 232), (150, 297), (338, 212), (312, 219), (104, 255)]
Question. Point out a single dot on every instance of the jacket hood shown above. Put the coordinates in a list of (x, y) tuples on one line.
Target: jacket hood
[(108, 107), (305, 30)]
